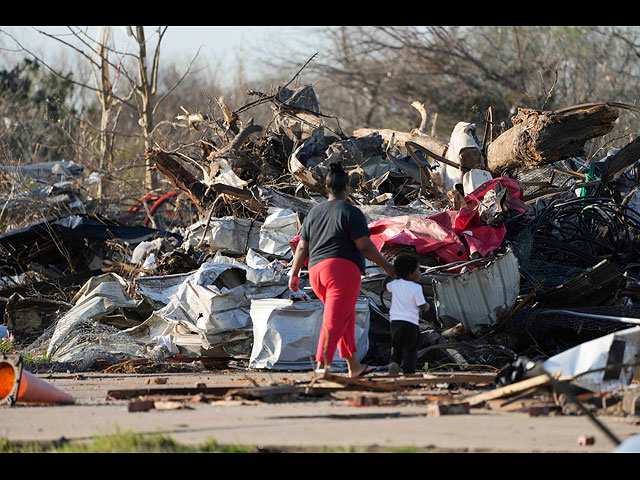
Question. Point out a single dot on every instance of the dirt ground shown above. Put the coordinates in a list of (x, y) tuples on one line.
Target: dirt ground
[(294, 425)]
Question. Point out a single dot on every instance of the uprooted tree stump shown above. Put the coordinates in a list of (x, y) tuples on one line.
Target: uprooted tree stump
[(540, 138)]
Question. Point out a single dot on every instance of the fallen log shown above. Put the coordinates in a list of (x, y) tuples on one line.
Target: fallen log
[(540, 138)]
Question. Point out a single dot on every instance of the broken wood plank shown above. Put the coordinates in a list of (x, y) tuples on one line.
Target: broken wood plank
[(181, 178), (434, 379), (266, 393), (620, 161), (175, 391), (360, 382), (538, 381)]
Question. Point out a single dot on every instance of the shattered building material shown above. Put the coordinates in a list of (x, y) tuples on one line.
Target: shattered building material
[(68, 245), (27, 318), (99, 297), (591, 288), (228, 234), (276, 232), (604, 364)]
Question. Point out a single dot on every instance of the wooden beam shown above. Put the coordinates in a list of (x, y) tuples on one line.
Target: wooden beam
[(539, 381)]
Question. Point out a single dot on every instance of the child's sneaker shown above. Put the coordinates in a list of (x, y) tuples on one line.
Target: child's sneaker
[(394, 369)]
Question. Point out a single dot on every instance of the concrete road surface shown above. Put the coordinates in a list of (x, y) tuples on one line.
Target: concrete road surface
[(313, 424)]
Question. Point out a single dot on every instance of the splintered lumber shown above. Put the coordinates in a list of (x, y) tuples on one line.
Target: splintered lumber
[(361, 383), (201, 194), (265, 393), (427, 141), (540, 138), (175, 391), (539, 381), (232, 152), (456, 377), (621, 160), (181, 178)]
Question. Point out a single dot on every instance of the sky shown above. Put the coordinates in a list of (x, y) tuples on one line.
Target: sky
[(215, 44)]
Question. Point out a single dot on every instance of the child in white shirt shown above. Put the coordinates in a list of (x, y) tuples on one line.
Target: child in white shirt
[(407, 302)]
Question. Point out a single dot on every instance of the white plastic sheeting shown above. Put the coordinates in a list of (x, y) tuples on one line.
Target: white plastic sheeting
[(481, 297), (610, 361), (286, 332), (462, 139)]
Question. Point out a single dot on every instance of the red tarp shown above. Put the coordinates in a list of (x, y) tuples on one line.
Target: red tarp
[(453, 235)]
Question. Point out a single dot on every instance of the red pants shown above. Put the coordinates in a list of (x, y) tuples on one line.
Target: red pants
[(336, 281)]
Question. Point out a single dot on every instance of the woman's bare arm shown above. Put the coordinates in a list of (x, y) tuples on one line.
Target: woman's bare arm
[(301, 255), (369, 250)]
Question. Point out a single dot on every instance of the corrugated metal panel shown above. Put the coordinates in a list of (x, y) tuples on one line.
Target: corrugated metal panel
[(481, 297)]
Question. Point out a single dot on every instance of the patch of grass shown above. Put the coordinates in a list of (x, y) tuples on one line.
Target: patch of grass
[(6, 346), (7, 447), (123, 442), (130, 442)]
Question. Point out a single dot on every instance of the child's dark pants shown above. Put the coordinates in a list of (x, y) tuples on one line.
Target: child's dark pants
[(404, 345)]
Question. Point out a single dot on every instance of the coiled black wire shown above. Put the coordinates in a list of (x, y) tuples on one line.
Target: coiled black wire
[(584, 229)]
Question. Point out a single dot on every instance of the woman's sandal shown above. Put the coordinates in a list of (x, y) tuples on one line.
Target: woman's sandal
[(366, 371)]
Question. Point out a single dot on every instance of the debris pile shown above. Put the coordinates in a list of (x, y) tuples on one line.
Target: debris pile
[(528, 250)]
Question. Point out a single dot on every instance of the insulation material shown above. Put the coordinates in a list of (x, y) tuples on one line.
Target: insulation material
[(605, 364), (478, 298), (285, 333)]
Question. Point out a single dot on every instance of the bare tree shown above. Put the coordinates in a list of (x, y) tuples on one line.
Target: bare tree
[(139, 70)]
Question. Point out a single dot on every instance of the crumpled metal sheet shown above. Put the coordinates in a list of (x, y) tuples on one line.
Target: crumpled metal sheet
[(230, 234), (610, 359), (206, 312), (286, 333), (481, 297), (98, 297), (278, 228)]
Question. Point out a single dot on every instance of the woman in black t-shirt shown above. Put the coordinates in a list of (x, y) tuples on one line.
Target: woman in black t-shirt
[(335, 240)]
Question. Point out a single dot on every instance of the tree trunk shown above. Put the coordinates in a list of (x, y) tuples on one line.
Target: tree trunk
[(539, 138), (145, 100)]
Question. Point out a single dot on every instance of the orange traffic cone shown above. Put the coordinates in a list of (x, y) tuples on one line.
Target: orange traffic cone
[(18, 385)]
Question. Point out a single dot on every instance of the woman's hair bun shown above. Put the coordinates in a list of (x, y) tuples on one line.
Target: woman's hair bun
[(336, 167)]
